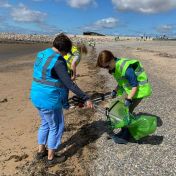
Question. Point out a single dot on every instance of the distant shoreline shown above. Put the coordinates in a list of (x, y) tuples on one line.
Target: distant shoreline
[(24, 38), (11, 37), (6, 38)]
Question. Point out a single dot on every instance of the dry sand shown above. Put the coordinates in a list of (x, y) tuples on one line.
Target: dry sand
[(20, 121)]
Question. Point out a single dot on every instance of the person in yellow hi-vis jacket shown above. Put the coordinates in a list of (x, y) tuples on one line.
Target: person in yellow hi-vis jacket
[(73, 58), (131, 78)]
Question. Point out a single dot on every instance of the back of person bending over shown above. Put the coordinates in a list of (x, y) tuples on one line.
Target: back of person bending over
[(131, 78), (74, 57)]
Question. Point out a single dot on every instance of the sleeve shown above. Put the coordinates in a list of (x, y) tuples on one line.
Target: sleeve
[(76, 59), (61, 71), (131, 77)]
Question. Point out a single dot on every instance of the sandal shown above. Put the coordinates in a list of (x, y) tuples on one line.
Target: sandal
[(56, 160), (41, 155)]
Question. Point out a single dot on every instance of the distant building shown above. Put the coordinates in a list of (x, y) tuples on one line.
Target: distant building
[(93, 34)]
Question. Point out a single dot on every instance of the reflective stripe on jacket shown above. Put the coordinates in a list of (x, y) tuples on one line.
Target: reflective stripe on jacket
[(70, 56), (144, 88), (46, 92)]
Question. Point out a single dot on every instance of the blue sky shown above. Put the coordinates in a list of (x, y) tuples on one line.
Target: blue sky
[(113, 17)]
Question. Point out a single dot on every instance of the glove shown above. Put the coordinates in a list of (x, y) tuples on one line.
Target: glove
[(113, 94), (128, 102)]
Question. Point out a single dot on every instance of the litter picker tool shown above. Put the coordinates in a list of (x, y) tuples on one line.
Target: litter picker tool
[(76, 101), (118, 116), (112, 119)]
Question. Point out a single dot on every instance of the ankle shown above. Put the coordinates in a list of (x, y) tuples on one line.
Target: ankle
[(50, 159), (41, 148), (41, 151), (51, 154)]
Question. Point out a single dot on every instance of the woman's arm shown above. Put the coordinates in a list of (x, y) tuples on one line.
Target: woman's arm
[(61, 71), (132, 93), (132, 79), (73, 67)]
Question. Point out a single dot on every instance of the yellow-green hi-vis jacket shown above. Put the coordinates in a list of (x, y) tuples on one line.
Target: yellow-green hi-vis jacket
[(69, 57), (144, 88)]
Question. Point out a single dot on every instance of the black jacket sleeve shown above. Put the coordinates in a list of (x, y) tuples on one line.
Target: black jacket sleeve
[(60, 69)]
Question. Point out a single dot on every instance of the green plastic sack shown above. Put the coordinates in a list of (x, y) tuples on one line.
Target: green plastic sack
[(139, 126), (117, 109), (142, 126)]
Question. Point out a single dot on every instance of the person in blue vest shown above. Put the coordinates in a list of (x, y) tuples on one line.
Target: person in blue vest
[(49, 94)]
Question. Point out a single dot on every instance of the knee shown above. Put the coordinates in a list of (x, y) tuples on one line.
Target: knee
[(44, 127)]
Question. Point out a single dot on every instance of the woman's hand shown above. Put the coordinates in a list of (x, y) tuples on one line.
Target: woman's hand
[(73, 78), (89, 104), (132, 93)]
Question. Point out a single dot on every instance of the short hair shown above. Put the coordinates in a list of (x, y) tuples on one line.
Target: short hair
[(62, 43), (105, 56)]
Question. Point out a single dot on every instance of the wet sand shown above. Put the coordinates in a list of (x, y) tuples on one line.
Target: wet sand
[(10, 51)]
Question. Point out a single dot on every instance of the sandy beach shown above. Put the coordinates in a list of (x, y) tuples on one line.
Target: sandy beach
[(88, 150)]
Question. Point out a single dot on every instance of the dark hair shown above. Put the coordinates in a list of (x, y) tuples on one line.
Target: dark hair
[(62, 43), (104, 57), (82, 48)]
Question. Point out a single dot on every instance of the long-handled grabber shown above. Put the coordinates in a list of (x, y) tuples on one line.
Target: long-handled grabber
[(111, 118)]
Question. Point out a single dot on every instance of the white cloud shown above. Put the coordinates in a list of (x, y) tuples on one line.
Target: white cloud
[(4, 4), (80, 3), (145, 6), (106, 23), (23, 14), (165, 28)]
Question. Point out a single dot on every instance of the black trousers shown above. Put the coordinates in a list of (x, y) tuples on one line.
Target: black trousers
[(124, 133), (134, 104)]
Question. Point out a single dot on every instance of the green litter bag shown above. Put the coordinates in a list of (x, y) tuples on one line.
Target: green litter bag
[(142, 126), (139, 126), (118, 114)]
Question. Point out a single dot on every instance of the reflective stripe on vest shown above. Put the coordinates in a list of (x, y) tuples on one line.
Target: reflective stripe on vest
[(144, 88), (44, 70), (69, 59), (141, 83), (137, 71), (122, 65), (49, 83), (70, 56), (46, 66)]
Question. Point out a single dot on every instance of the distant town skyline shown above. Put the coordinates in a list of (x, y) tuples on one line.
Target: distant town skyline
[(111, 17)]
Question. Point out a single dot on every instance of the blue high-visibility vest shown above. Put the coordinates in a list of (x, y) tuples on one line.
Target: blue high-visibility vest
[(47, 92)]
